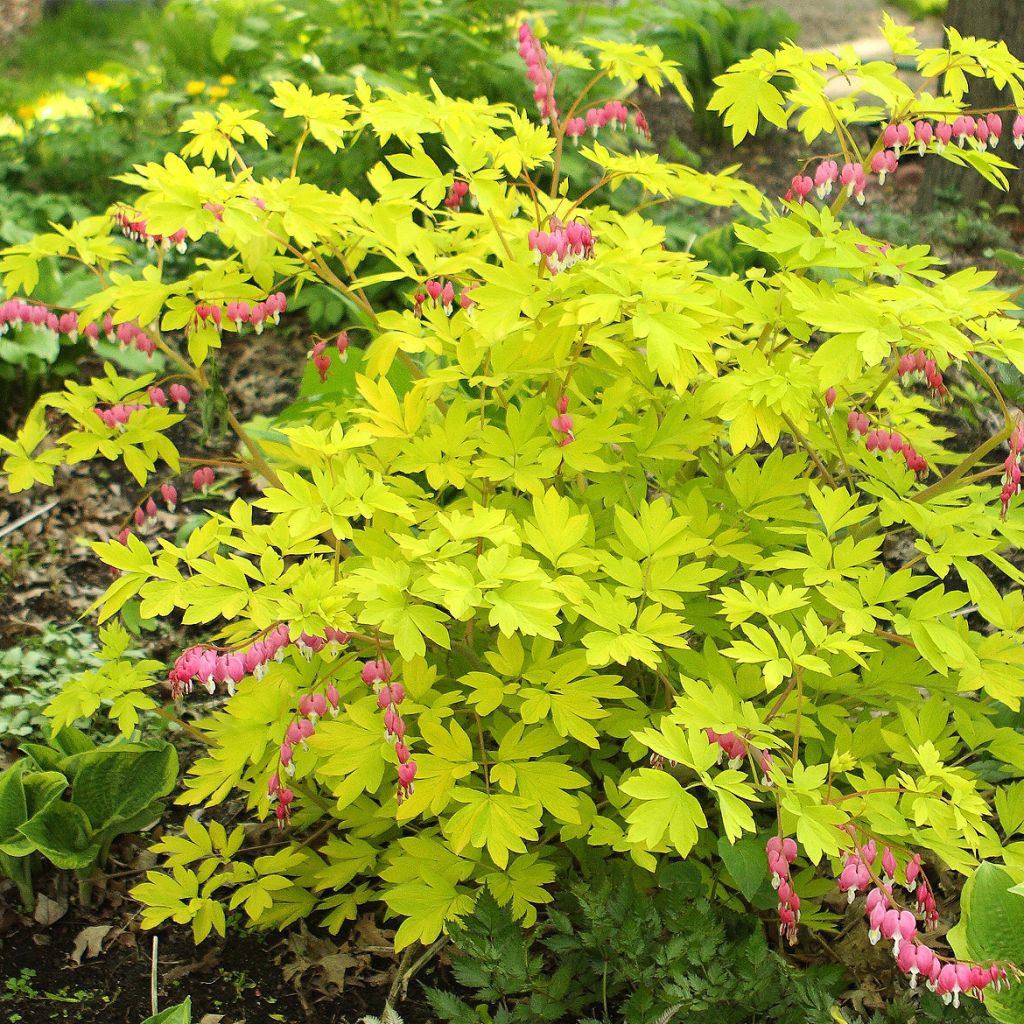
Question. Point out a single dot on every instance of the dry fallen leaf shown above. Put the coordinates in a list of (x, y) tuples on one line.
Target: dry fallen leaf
[(89, 941), (211, 1018), (49, 911)]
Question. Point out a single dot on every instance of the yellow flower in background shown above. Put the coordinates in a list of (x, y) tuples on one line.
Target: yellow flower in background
[(103, 81), (216, 92), (227, 79), (55, 106), (195, 87), (9, 128)]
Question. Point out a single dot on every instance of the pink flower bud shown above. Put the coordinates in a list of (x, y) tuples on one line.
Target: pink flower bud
[(378, 671), (907, 925), (170, 495), (906, 958), (925, 959)]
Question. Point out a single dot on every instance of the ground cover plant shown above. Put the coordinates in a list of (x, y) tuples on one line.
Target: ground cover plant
[(576, 520)]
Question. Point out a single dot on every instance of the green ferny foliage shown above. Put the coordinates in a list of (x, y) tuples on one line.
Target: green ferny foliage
[(590, 518)]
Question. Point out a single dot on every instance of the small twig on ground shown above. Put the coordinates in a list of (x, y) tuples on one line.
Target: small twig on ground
[(434, 949), (396, 981), (27, 518), (153, 1001)]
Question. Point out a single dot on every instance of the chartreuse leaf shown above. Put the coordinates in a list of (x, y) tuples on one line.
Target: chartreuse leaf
[(325, 113), (522, 884), (450, 757), (23, 467), (664, 808), (182, 897), (499, 821)]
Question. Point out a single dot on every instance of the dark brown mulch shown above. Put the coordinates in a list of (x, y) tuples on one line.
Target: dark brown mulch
[(245, 978), (48, 573)]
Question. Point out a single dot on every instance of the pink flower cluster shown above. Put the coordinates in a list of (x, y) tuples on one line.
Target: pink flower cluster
[(562, 246), (886, 920), (134, 228), (613, 112), (127, 335), (456, 193), (826, 176), (15, 313), (736, 749), (377, 673), (256, 316), (442, 293), (982, 132), (145, 512), (781, 854), (322, 359), (563, 422), (916, 366), (312, 707), (1011, 468), (117, 416), (883, 441), (209, 667), (538, 72)]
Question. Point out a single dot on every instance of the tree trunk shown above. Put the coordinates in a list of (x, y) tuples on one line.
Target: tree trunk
[(16, 16), (985, 19)]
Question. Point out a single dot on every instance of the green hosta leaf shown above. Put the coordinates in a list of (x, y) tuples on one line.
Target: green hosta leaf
[(24, 792), (113, 785), (992, 928), (62, 833)]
